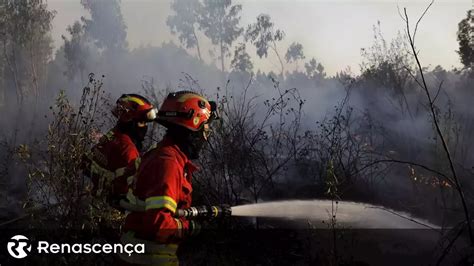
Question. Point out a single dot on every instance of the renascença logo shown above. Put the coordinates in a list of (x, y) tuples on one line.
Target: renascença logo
[(18, 246)]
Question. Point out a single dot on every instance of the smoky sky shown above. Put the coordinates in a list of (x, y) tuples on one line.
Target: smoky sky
[(333, 32)]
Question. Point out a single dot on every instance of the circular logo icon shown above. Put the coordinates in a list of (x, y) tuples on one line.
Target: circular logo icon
[(18, 246)]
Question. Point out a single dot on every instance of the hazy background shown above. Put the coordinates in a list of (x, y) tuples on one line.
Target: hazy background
[(346, 122), (331, 31)]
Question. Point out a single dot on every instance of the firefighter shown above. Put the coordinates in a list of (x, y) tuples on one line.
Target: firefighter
[(112, 163), (163, 180)]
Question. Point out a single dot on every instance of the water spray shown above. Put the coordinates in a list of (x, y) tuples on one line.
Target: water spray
[(346, 214), (319, 212)]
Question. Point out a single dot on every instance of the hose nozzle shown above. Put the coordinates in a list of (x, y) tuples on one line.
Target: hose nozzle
[(206, 212)]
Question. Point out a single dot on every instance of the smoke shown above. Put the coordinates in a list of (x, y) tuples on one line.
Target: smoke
[(406, 130)]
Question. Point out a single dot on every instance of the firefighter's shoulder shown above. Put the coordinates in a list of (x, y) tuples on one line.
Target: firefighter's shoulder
[(168, 152), (160, 170), (125, 146), (123, 140), (157, 161)]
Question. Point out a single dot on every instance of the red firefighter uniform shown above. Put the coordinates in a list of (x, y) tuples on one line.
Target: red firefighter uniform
[(163, 184), (112, 163)]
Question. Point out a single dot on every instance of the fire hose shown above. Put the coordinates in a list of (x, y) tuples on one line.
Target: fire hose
[(205, 212), (199, 212)]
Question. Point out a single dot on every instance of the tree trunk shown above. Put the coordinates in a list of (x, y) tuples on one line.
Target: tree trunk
[(279, 59), (35, 75), (14, 73), (222, 56), (3, 88), (197, 46)]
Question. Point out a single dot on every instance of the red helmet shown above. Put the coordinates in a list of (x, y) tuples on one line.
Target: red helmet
[(133, 107), (187, 109)]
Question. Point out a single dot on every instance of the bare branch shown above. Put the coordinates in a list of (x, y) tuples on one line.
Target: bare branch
[(438, 128), (439, 89), (414, 77), (400, 14), (422, 15)]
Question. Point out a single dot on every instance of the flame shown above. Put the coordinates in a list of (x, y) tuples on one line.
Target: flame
[(432, 181)]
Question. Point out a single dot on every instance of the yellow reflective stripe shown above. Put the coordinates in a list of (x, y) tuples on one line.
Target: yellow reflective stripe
[(132, 203), (135, 99), (120, 171), (187, 96), (130, 179), (131, 197), (138, 160), (105, 176), (161, 202), (99, 170)]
